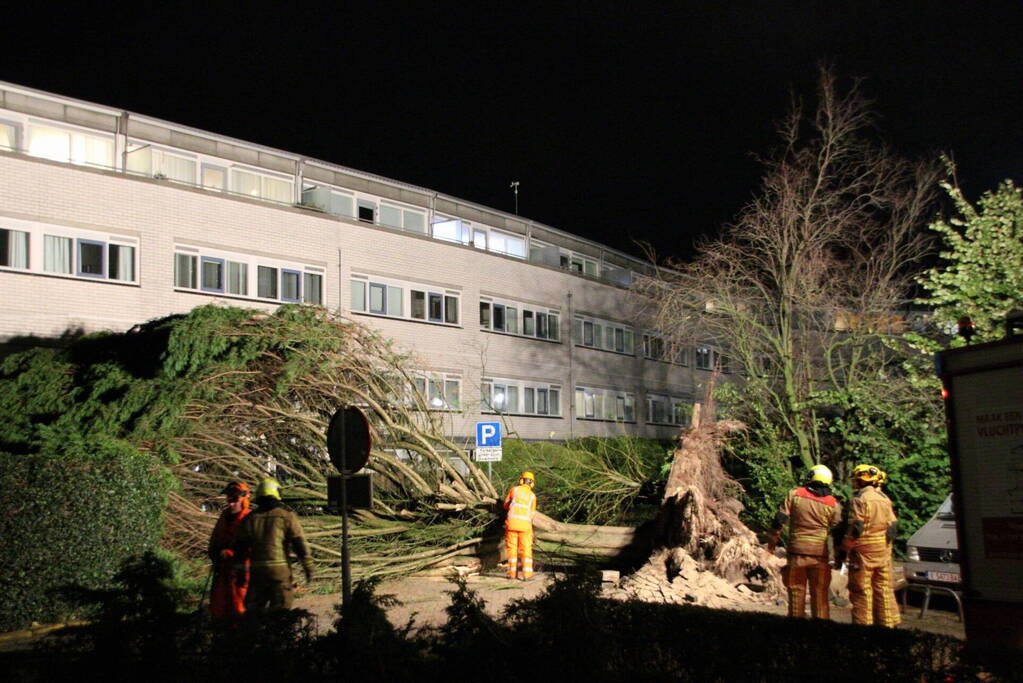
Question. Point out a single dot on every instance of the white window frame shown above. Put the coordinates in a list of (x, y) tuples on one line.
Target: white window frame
[(674, 408), (494, 387), (77, 137), (523, 312), (251, 265), (607, 405), (448, 300), (439, 391), (603, 335), (77, 239)]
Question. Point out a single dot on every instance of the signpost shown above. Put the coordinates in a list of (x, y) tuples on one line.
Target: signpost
[(488, 444), (348, 444)]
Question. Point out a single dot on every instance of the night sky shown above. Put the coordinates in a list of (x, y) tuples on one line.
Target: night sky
[(623, 122)]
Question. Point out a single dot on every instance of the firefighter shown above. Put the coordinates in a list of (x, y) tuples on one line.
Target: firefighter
[(230, 577), (810, 512), (520, 504), (868, 543), (265, 537)]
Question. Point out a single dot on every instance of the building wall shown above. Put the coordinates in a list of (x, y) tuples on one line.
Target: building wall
[(160, 218)]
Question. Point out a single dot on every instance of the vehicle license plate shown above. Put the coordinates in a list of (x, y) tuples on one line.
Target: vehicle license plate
[(947, 577)]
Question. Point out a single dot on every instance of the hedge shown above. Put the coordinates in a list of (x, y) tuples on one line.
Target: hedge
[(72, 517)]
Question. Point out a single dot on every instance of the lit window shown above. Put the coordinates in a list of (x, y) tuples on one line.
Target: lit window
[(8, 136)]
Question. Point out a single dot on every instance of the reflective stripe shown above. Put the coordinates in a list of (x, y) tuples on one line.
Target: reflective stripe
[(521, 505), (268, 563)]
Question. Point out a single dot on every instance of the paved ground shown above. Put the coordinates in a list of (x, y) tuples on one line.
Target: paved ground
[(426, 598)]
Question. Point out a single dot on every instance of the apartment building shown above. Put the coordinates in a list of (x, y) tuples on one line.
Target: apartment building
[(110, 218)]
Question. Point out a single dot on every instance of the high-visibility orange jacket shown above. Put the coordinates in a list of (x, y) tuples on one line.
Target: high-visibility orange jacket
[(521, 506)]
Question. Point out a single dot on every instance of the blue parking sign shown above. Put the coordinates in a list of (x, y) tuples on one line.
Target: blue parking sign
[(488, 434)]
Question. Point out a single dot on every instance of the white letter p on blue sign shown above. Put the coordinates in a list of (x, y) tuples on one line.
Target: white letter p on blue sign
[(488, 434)]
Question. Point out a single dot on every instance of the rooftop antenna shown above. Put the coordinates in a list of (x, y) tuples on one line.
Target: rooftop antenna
[(515, 189)]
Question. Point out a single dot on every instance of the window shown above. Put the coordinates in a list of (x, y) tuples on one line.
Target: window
[(358, 302), (57, 254), (390, 299), (71, 146), (402, 218), (367, 211), (214, 177), (662, 409), (262, 186), (8, 136), (515, 318), (703, 357), (147, 160), (604, 335), (440, 391), (653, 347), (520, 397), (225, 273), (185, 271), (13, 248), (579, 264), (510, 245), (266, 282), (291, 285), (451, 230), (212, 274), (419, 305), (605, 404), (91, 261), (238, 278), (121, 262), (451, 310), (312, 289)]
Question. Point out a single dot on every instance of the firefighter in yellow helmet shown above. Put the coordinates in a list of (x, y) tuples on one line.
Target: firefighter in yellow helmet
[(265, 537), (868, 541), (810, 512), (520, 504)]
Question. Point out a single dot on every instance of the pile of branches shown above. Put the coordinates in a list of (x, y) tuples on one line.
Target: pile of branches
[(262, 409)]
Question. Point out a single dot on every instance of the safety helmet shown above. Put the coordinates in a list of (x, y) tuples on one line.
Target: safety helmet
[(268, 488), (527, 478), (237, 489), (821, 474), (867, 474)]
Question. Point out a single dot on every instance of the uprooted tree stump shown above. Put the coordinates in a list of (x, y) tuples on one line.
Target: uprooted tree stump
[(702, 552)]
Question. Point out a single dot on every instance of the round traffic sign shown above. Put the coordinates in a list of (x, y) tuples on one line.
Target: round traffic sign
[(348, 440)]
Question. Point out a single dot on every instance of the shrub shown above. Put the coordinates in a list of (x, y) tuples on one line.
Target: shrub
[(72, 517)]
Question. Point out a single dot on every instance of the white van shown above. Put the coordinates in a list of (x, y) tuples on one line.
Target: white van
[(932, 553)]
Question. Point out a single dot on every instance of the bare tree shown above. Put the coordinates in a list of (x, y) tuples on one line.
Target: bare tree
[(801, 292)]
